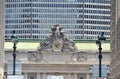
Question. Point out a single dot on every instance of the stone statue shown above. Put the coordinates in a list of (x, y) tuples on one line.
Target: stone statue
[(56, 31), (58, 39), (57, 42)]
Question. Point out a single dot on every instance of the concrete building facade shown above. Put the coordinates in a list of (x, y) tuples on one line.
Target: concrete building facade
[(67, 65), (115, 40), (57, 57), (2, 26), (81, 19)]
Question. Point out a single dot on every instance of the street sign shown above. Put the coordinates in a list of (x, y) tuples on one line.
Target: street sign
[(15, 77), (18, 68), (55, 77), (99, 78), (103, 71)]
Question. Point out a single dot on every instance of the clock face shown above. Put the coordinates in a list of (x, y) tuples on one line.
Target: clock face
[(57, 45)]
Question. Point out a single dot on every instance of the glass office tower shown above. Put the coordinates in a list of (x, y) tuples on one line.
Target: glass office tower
[(81, 19)]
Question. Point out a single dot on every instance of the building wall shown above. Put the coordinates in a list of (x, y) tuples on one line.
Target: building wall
[(67, 64), (2, 26), (115, 40), (81, 19)]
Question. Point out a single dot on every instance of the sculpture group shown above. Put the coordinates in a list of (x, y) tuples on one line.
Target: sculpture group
[(57, 42)]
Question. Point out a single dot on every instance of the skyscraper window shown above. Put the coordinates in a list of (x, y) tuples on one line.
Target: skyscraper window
[(37, 16)]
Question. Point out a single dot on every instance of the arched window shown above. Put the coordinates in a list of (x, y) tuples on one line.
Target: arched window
[(81, 78)]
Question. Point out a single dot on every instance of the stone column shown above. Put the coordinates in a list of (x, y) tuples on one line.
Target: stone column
[(25, 75), (87, 76), (2, 31), (44, 76), (75, 75), (69, 76), (38, 75)]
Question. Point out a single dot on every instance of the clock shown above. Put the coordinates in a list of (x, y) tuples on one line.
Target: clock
[(57, 45)]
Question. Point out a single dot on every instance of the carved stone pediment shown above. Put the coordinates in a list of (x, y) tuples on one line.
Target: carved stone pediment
[(57, 42), (56, 47), (35, 56), (81, 56)]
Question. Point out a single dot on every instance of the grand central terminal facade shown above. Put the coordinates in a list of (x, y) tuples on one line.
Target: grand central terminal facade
[(57, 57)]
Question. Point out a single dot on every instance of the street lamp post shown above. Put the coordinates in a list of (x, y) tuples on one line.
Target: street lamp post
[(98, 42), (14, 40)]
